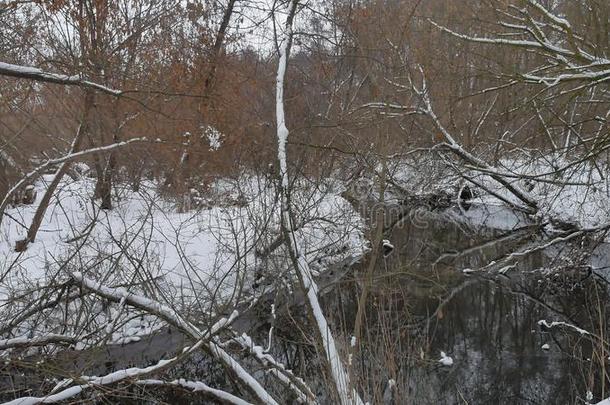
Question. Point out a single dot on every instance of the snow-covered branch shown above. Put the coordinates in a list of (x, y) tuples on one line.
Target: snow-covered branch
[(278, 370), (173, 318), (553, 80), (568, 61), (32, 73), (152, 307), (550, 325), (108, 379), (197, 386), (456, 148)]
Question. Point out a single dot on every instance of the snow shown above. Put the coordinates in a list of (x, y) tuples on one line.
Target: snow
[(445, 360), (195, 255), (49, 163), (387, 244), (214, 137), (578, 194)]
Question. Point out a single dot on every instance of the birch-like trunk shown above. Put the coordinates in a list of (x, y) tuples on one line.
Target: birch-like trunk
[(347, 395)]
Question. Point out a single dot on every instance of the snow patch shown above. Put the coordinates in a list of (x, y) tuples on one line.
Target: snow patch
[(445, 360)]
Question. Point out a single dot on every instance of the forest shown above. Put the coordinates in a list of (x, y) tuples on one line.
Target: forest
[(305, 202)]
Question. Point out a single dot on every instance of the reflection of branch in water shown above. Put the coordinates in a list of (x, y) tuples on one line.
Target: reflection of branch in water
[(592, 337), (520, 234), (470, 281), (498, 282), (561, 238), (452, 293), (543, 246), (504, 263)]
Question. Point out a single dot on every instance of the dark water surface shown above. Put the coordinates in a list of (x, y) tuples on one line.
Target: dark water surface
[(422, 303)]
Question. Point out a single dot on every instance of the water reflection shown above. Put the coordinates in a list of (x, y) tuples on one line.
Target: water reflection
[(421, 303)]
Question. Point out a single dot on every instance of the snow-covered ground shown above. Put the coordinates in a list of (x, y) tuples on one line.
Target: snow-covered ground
[(565, 189), (203, 257), (580, 193)]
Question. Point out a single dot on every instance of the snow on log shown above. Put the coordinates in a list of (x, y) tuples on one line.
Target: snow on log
[(25, 341)]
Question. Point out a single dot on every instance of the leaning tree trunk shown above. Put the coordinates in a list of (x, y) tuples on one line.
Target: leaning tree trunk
[(63, 169), (182, 174)]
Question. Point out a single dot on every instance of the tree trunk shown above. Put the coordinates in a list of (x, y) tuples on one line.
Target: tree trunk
[(105, 189)]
